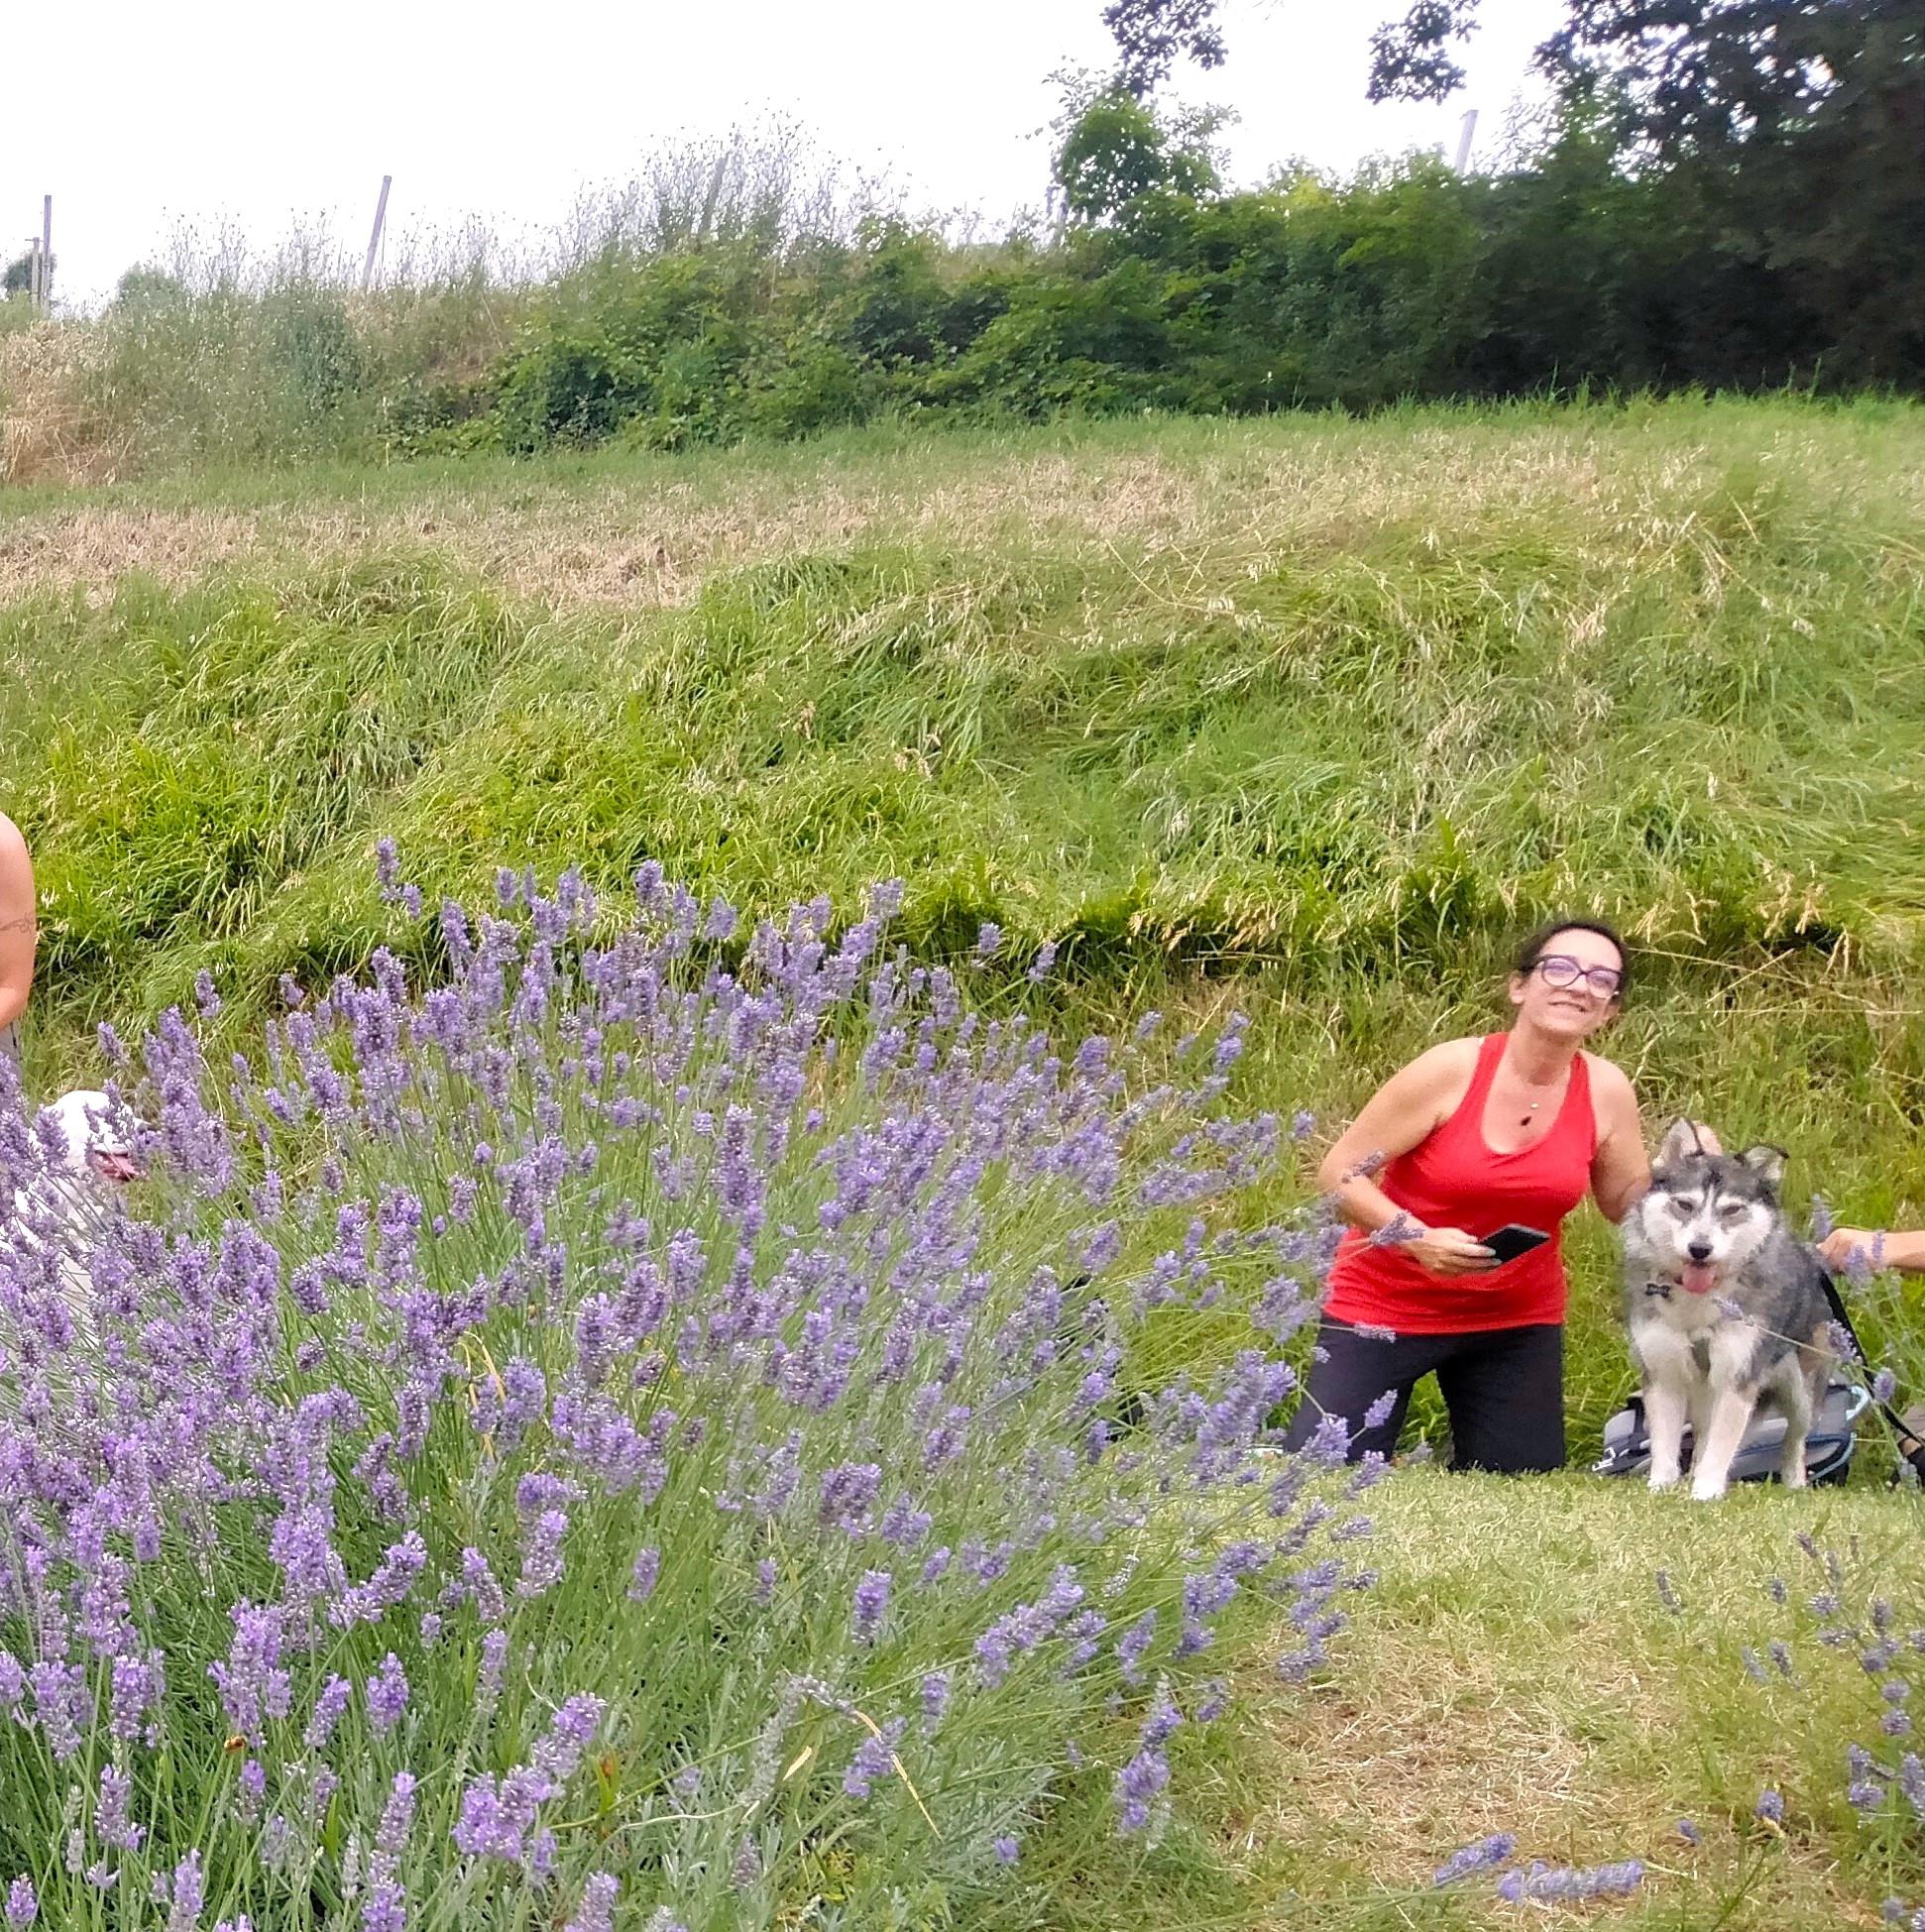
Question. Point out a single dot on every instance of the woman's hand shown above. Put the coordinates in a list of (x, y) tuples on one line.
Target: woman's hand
[(1840, 1245), (1448, 1251)]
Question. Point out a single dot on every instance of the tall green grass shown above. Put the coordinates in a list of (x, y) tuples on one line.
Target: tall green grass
[(1460, 671)]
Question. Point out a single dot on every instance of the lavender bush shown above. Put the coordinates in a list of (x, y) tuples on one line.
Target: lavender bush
[(624, 1437)]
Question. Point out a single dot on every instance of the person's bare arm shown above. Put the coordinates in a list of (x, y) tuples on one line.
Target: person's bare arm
[(18, 924), (1621, 1169), (1411, 1104), (1903, 1250)]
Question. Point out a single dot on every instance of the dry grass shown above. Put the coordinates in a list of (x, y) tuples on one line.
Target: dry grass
[(644, 532), (46, 435), (1516, 1671)]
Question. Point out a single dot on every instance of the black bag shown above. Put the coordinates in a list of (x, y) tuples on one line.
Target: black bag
[(1828, 1448)]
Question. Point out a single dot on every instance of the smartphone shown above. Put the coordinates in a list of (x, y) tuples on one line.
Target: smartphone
[(1512, 1240)]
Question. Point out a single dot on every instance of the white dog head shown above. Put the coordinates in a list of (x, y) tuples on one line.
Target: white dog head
[(96, 1135)]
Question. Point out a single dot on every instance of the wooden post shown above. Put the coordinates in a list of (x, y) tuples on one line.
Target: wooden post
[(1464, 134), (374, 240)]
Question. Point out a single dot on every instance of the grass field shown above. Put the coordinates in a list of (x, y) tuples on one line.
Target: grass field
[(1308, 717), (1518, 1670)]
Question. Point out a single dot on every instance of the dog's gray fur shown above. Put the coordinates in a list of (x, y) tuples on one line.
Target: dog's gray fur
[(1758, 1333)]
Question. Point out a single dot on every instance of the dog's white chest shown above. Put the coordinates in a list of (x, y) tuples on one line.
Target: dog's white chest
[(1686, 1315)]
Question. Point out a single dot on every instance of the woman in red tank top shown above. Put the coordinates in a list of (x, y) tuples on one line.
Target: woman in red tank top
[(1475, 1136)]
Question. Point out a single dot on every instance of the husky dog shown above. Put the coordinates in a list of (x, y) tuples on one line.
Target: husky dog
[(1725, 1307)]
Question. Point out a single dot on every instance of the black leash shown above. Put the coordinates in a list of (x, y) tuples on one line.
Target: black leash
[(1903, 1430)]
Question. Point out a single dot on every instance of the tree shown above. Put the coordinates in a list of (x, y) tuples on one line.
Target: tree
[(1409, 59), (1114, 149), (1796, 129), (1710, 76), (1152, 36)]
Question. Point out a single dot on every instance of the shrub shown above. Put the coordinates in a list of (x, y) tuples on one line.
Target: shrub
[(653, 1413)]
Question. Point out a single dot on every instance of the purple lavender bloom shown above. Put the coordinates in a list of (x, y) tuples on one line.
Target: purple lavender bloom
[(569, 1734), (23, 1904), (542, 1563), (494, 1665), (936, 1696), (1007, 1851), (385, 1910), (596, 1912), (184, 1914), (331, 1702), (874, 1759), (1138, 1785), (1163, 1720), (387, 1695), (1485, 1855), (870, 1605), (1770, 1807), (1568, 1883), (111, 1822), (649, 1566), (1133, 1644), (848, 1491)]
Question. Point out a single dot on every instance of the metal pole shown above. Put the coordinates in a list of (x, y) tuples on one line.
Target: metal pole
[(374, 240), (45, 253), (1463, 140)]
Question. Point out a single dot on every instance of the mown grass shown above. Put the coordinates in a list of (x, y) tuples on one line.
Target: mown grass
[(1518, 1670), (1309, 716)]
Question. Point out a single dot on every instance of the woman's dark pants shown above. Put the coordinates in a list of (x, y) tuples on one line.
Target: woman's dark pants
[(1504, 1388)]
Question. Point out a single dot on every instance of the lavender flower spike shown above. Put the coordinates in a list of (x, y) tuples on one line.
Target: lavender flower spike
[(1483, 1856)]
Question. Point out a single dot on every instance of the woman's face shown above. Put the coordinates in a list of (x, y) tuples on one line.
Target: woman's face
[(1560, 995)]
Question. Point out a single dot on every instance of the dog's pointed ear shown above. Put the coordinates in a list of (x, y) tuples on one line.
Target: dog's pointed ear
[(1680, 1142), (1768, 1163)]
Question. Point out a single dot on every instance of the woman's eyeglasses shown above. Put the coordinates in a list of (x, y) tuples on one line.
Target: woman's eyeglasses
[(1559, 971)]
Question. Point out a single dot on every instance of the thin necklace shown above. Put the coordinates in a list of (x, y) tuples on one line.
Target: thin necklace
[(1527, 1119)]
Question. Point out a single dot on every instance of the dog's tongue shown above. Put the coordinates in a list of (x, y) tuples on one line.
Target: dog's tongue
[(1697, 1278)]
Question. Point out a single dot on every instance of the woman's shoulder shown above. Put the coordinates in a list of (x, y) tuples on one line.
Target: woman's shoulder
[(1454, 1054), (1607, 1077), (1448, 1062), (1613, 1097)]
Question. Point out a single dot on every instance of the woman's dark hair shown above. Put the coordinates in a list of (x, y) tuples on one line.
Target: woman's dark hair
[(1534, 948)]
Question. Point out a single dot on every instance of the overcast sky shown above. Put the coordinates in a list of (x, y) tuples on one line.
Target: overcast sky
[(137, 117)]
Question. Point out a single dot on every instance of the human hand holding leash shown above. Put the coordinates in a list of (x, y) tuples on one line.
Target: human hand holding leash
[(1874, 1249)]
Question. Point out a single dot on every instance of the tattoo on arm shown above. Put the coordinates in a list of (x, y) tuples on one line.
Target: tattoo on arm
[(25, 923)]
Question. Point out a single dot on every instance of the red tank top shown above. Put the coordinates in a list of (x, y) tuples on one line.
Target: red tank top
[(1453, 1179)]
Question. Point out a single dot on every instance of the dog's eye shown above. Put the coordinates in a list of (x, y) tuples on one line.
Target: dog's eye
[(1732, 1210), (1682, 1207)]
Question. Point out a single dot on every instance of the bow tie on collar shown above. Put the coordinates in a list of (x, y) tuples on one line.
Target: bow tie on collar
[(1661, 1290)]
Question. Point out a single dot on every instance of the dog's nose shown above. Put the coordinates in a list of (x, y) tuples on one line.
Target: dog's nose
[(1700, 1251)]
